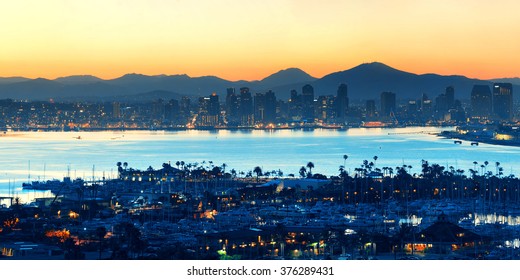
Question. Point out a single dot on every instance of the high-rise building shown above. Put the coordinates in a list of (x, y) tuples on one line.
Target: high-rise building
[(388, 104), (370, 108), (259, 107), (426, 107), (158, 109), (326, 109), (209, 111), (412, 109), (171, 111), (481, 102), (246, 107), (444, 102), (342, 102), (295, 106), (232, 107), (450, 96), (270, 107), (185, 109), (214, 107), (503, 101), (308, 103), (116, 110)]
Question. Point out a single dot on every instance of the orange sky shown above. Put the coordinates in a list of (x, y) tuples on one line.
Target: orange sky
[(249, 40)]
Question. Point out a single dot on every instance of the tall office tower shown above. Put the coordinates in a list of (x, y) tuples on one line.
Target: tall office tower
[(481, 102), (259, 107), (171, 111), (270, 107), (503, 101), (246, 108), (158, 109), (214, 108), (209, 111), (308, 103), (232, 115), (342, 102), (388, 104), (412, 109), (444, 102), (450, 96), (370, 108), (295, 106), (185, 109), (116, 110), (426, 107), (326, 109)]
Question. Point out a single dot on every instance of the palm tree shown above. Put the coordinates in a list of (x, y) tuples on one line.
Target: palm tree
[(125, 165), (310, 165), (303, 171), (345, 157), (375, 160), (258, 171), (119, 168)]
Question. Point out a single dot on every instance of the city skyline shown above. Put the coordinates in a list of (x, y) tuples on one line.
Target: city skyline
[(249, 41)]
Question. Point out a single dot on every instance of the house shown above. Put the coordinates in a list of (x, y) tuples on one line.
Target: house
[(444, 237)]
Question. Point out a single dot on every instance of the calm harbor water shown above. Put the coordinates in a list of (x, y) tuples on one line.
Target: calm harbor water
[(29, 156)]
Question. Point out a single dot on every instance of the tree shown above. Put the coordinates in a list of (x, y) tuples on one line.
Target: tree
[(303, 171), (125, 165), (345, 157), (119, 168), (310, 165), (258, 171)]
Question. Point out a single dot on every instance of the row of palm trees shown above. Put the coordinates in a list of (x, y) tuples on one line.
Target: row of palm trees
[(432, 180), (365, 169)]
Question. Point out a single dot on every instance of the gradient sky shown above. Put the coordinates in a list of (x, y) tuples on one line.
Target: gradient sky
[(236, 39)]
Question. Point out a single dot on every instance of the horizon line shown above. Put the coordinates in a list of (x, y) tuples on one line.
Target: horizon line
[(240, 80)]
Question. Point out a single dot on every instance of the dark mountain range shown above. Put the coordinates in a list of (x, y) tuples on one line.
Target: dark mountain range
[(514, 81), (78, 80), (285, 77), (10, 80), (365, 81), (369, 80)]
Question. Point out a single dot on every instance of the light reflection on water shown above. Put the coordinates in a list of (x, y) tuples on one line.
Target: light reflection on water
[(241, 150)]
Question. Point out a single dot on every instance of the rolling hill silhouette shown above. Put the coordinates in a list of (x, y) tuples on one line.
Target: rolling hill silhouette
[(365, 81)]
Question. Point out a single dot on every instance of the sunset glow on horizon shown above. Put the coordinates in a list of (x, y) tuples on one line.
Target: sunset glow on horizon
[(249, 40)]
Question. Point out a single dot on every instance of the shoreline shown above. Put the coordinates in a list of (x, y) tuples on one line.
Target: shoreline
[(5, 132), (481, 140)]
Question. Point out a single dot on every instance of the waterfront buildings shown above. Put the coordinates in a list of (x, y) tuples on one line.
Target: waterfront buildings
[(503, 101), (263, 109), (342, 102), (481, 102), (388, 104)]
